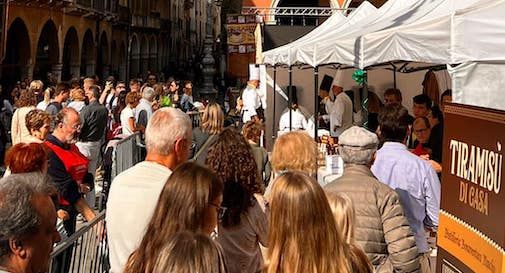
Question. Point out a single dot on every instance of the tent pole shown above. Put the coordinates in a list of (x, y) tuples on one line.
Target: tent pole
[(275, 95), (394, 75), (290, 72), (316, 101), (364, 102)]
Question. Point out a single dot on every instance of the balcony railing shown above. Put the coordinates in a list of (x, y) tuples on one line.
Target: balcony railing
[(93, 7), (146, 22)]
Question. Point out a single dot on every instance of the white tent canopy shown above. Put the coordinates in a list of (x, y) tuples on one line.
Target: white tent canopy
[(334, 20), (345, 49), (427, 41), (283, 54), (478, 38), (479, 33)]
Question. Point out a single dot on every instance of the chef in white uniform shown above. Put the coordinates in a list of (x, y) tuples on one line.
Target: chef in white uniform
[(339, 109), (298, 120), (251, 100), (341, 114)]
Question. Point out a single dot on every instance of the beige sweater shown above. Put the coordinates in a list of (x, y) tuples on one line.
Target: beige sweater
[(19, 132)]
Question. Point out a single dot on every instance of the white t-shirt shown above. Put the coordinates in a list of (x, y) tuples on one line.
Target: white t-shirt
[(126, 114), (132, 199), (110, 96), (42, 105), (77, 105)]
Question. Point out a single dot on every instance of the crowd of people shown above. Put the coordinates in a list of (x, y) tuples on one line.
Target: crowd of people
[(210, 198)]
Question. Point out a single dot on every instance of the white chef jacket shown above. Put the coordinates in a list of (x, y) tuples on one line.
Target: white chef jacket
[(298, 121), (341, 114), (251, 101)]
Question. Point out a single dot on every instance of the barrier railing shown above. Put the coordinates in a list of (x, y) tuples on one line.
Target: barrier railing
[(84, 251), (119, 156), (128, 152), (195, 118)]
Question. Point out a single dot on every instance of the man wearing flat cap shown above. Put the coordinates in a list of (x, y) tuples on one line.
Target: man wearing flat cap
[(381, 228)]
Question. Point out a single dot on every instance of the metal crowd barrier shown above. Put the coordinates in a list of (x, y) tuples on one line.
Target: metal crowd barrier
[(120, 155), (195, 118), (85, 251), (128, 152)]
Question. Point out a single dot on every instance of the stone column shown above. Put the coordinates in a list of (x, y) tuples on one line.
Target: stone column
[(122, 72), (105, 71), (90, 68), (27, 71), (75, 69), (56, 71)]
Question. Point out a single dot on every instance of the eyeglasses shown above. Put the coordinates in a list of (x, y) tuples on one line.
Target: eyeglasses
[(77, 126), (220, 211)]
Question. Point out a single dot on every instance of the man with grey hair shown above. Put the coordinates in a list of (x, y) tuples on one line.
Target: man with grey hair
[(134, 193), (381, 228), (27, 223), (144, 110)]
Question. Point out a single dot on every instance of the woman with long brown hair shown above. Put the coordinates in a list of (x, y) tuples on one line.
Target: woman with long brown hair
[(245, 223), (304, 237), (190, 200), (188, 252)]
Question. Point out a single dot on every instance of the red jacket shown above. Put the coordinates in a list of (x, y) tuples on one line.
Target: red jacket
[(75, 163)]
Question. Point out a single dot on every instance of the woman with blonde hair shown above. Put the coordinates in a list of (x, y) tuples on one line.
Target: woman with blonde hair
[(48, 94), (293, 151), (245, 224), (211, 125), (343, 212), (304, 237), (26, 102), (78, 98), (188, 252), (190, 200)]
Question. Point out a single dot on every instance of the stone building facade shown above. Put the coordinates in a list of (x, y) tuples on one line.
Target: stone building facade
[(72, 38)]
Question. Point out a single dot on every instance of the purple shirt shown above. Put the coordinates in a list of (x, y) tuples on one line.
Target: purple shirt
[(417, 184)]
